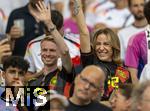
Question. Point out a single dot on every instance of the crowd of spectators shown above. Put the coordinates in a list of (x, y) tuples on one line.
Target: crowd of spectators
[(75, 55)]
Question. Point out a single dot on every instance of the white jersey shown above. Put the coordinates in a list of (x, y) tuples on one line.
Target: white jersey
[(33, 51), (97, 8), (145, 75), (115, 18), (124, 35)]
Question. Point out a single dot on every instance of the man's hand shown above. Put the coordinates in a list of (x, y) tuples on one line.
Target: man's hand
[(44, 14), (15, 32), (5, 49)]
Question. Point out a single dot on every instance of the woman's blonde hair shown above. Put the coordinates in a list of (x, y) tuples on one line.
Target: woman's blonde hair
[(114, 43)]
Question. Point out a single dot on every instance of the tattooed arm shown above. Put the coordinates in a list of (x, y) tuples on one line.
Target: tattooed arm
[(84, 33)]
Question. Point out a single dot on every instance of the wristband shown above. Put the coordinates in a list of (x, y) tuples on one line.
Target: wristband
[(51, 29)]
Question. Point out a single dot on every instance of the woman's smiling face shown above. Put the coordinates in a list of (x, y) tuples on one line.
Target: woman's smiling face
[(103, 48)]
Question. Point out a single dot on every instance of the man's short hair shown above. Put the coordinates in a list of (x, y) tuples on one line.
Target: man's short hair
[(48, 38), (57, 19), (15, 62), (130, 2)]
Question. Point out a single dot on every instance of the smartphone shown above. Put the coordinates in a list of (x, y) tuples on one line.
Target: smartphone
[(2, 36), (5, 39)]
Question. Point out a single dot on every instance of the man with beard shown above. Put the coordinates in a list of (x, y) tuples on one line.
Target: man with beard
[(23, 27), (136, 54), (136, 7)]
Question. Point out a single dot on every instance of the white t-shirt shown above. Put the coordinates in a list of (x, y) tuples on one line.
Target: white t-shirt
[(115, 18), (33, 51), (96, 8), (33, 56), (124, 35), (145, 75)]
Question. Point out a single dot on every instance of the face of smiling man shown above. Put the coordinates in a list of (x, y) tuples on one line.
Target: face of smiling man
[(49, 53)]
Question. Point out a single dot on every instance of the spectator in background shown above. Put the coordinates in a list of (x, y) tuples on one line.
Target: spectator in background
[(117, 17), (137, 9), (87, 85), (136, 54), (121, 100), (30, 28), (145, 75), (97, 8), (140, 97)]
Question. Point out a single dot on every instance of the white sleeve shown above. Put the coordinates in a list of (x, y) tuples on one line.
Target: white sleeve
[(145, 75), (122, 48), (29, 58)]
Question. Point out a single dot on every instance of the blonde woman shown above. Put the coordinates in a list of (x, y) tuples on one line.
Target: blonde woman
[(105, 52)]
